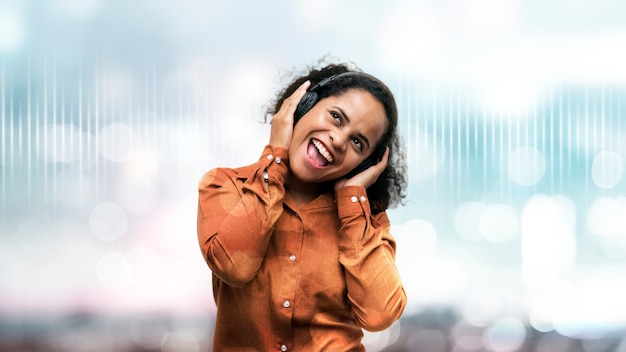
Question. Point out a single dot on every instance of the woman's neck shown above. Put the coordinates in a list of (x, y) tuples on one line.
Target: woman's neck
[(302, 192)]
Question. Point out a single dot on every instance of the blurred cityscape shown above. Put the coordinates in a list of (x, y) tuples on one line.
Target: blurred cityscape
[(513, 236)]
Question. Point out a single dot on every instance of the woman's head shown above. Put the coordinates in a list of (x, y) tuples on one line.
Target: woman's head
[(374, 123)]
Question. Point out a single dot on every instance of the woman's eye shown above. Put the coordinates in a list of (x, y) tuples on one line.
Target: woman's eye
[(357, 143), (335, 116)]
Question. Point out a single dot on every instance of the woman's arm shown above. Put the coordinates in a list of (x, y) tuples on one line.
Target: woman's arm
[(235, 219), (367, 253)]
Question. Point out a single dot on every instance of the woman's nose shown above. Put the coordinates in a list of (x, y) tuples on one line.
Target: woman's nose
[(339, 140)]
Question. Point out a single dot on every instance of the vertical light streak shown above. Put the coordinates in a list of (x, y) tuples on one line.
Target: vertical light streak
[(560, 136), (28, 130), (426, 140), (550, 140), (38, 126), (518, 141), (435, 111), (505, 154), (459, 166), (608, 168), (60, 176), (96, 124), (492, 140), (534, 133), (501, 124), (147, 109), (586, 137), (602, 118), (540, 145), (155, 109), (45, 130), (450, 131), (485, 152), (4, 137), (80, 124), (11, 129), (129, 108), (468, 171), (618, 117), (54, 122), (568, 101), (180, 110)]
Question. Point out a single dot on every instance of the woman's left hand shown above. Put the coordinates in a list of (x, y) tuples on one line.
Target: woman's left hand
[(366, 177)]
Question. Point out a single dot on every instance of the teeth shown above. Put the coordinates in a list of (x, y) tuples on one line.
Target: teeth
[(323, 151)]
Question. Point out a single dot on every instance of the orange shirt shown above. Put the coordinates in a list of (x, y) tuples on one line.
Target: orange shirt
[(294, 279)]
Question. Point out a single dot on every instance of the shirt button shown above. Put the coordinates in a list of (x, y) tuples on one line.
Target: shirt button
[(292, 258), (363, 199), (278, 160), (286, 304), (283, 348), (270, 157), (353, 199)]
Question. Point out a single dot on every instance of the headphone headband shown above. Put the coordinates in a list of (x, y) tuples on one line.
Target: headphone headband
[(311, 97), (327, 80)]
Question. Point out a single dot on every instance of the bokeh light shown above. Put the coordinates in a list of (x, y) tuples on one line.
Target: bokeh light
[(116, 141), (115, 272), (11, 30), (148, 331), (108, 221), (498, 223), (606, 217), (467, 220), (378, 341), (607, 169), (548, 239), (526, 166), (505, 335), (482, 307)]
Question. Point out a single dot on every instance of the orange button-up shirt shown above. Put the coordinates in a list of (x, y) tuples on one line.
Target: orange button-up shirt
[(294, 279)]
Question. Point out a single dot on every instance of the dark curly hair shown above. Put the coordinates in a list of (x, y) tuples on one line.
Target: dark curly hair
[(388, 190)]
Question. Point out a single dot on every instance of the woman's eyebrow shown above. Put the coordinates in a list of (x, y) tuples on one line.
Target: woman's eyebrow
[(360, 135)]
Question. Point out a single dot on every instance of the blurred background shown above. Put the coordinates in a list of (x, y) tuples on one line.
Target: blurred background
[(513, 237)]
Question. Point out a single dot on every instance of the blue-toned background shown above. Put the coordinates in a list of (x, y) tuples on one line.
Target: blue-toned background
[(513, 237)]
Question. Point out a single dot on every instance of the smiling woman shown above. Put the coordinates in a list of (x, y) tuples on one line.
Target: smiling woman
[(372, 97), (299, 242)]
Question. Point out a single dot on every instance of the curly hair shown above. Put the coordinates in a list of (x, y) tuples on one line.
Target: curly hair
[(389, 189)]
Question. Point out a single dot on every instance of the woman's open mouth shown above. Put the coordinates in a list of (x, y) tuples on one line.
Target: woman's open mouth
[(318, 154)]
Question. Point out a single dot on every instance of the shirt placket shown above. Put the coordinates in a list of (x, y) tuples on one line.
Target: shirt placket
[(290, 271)]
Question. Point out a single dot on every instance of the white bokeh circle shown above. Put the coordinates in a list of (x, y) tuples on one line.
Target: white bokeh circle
[(115, 142), (108, 221), (114, 271), (505, 335), (467, 220), (606, 217), (526, 166), (607, 169), (498, 223)]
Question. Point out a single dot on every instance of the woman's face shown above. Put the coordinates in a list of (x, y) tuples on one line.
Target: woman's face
[(337, 134)]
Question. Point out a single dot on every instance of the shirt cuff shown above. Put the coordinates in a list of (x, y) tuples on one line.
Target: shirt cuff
[(352, 200), (274, 161)]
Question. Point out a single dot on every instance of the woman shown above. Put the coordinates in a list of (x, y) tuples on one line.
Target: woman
[(299, 245)]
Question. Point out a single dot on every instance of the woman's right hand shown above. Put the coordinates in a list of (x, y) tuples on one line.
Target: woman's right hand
[(282, 121)]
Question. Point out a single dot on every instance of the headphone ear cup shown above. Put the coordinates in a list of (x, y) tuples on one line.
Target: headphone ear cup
[(309, 99)]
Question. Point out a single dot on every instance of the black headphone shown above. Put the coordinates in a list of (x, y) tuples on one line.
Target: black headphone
[(311, 97)]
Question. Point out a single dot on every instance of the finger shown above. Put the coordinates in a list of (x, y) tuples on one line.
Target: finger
[(295, 97)]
